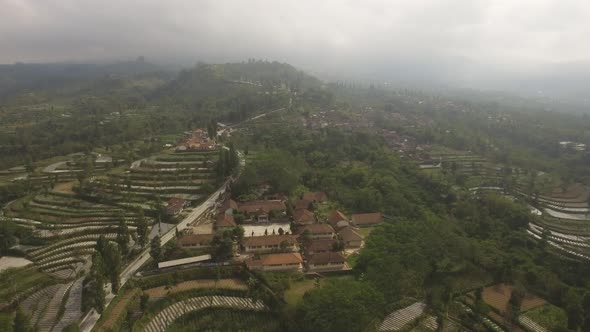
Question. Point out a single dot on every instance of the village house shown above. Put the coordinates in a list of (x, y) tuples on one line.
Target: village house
[(302, 204), (367, 219), (228, 206), (276, 262), (338, 220), (303, 217), (318, 231), (350, 237), (320, 245), (326, 261), (175, 206), (269, 243), (195, 240), (262, 210), (224, 221), (317, 196), (197, 140)]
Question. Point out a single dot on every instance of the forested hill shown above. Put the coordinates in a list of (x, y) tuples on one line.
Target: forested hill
[(69, 78), (65, 109), (217, 79)]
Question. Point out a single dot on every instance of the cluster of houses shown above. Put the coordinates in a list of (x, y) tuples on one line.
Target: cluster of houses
[(309, 244), (335, 119), (196, 140)]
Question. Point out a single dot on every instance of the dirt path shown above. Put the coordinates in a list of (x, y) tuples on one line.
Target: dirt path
[(118, 310), (162, 291)]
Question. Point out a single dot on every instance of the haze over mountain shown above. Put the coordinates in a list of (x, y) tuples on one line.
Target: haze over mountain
[(530, 46)]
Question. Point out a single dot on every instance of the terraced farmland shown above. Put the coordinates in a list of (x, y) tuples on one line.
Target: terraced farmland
[(498, 296), (171, 313), (65, 225), (163, 291), (222, 319), (566, 218), (398, 319), (170, 175), (65, 169), (70, 226)]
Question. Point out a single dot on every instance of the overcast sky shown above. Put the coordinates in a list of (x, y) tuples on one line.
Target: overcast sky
[(505, 33)]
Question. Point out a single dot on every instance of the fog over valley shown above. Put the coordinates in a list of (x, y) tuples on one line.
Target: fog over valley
[(534, 46)]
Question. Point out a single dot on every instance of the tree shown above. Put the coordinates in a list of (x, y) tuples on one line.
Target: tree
[(21, 321), (123, 235), (574, 309), (237, 233), (101, 245), (223, 246), (96, 282), (7, 236), (112, 263), (142, 228), (342, 305), (515, 302), (155, 248), (143, 301), (73, 327)]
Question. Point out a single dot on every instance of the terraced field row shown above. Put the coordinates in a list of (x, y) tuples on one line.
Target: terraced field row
[(168, 175), (72, 308), (569, 249), (530, 324), (35, 304), (50, 314), (167, 316), (400, 318)]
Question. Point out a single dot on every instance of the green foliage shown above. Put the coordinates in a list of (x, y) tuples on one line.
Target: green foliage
[(279, 168), (73, 327), (6, 321), (548, 316), (226, 320), (123, 235), (142, 228), (155, 249), (223, 245), (341, 305), (21, 322), (113, 265)]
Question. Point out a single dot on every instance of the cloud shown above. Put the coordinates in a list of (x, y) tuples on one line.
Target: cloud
[(334, 33)]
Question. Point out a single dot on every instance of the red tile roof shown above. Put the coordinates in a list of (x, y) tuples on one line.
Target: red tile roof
[(349, 234), (329, 257), (229, 204), (176, 202), (225, 220), (317, 229), (268, 240), (336, 216), (303, 216), (276, 259), (261, 206), (367, 218), (302, 204), (195, 239), (317, 196), (320, 245)]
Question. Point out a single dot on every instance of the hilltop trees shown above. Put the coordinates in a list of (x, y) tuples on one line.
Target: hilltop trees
[(21, 321), (341, 305), (113, 264), (156, 249), (142, 228), (123, 235), (93, 295)]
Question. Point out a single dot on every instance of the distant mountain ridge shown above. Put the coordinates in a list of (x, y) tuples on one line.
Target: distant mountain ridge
[(23, 78)]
